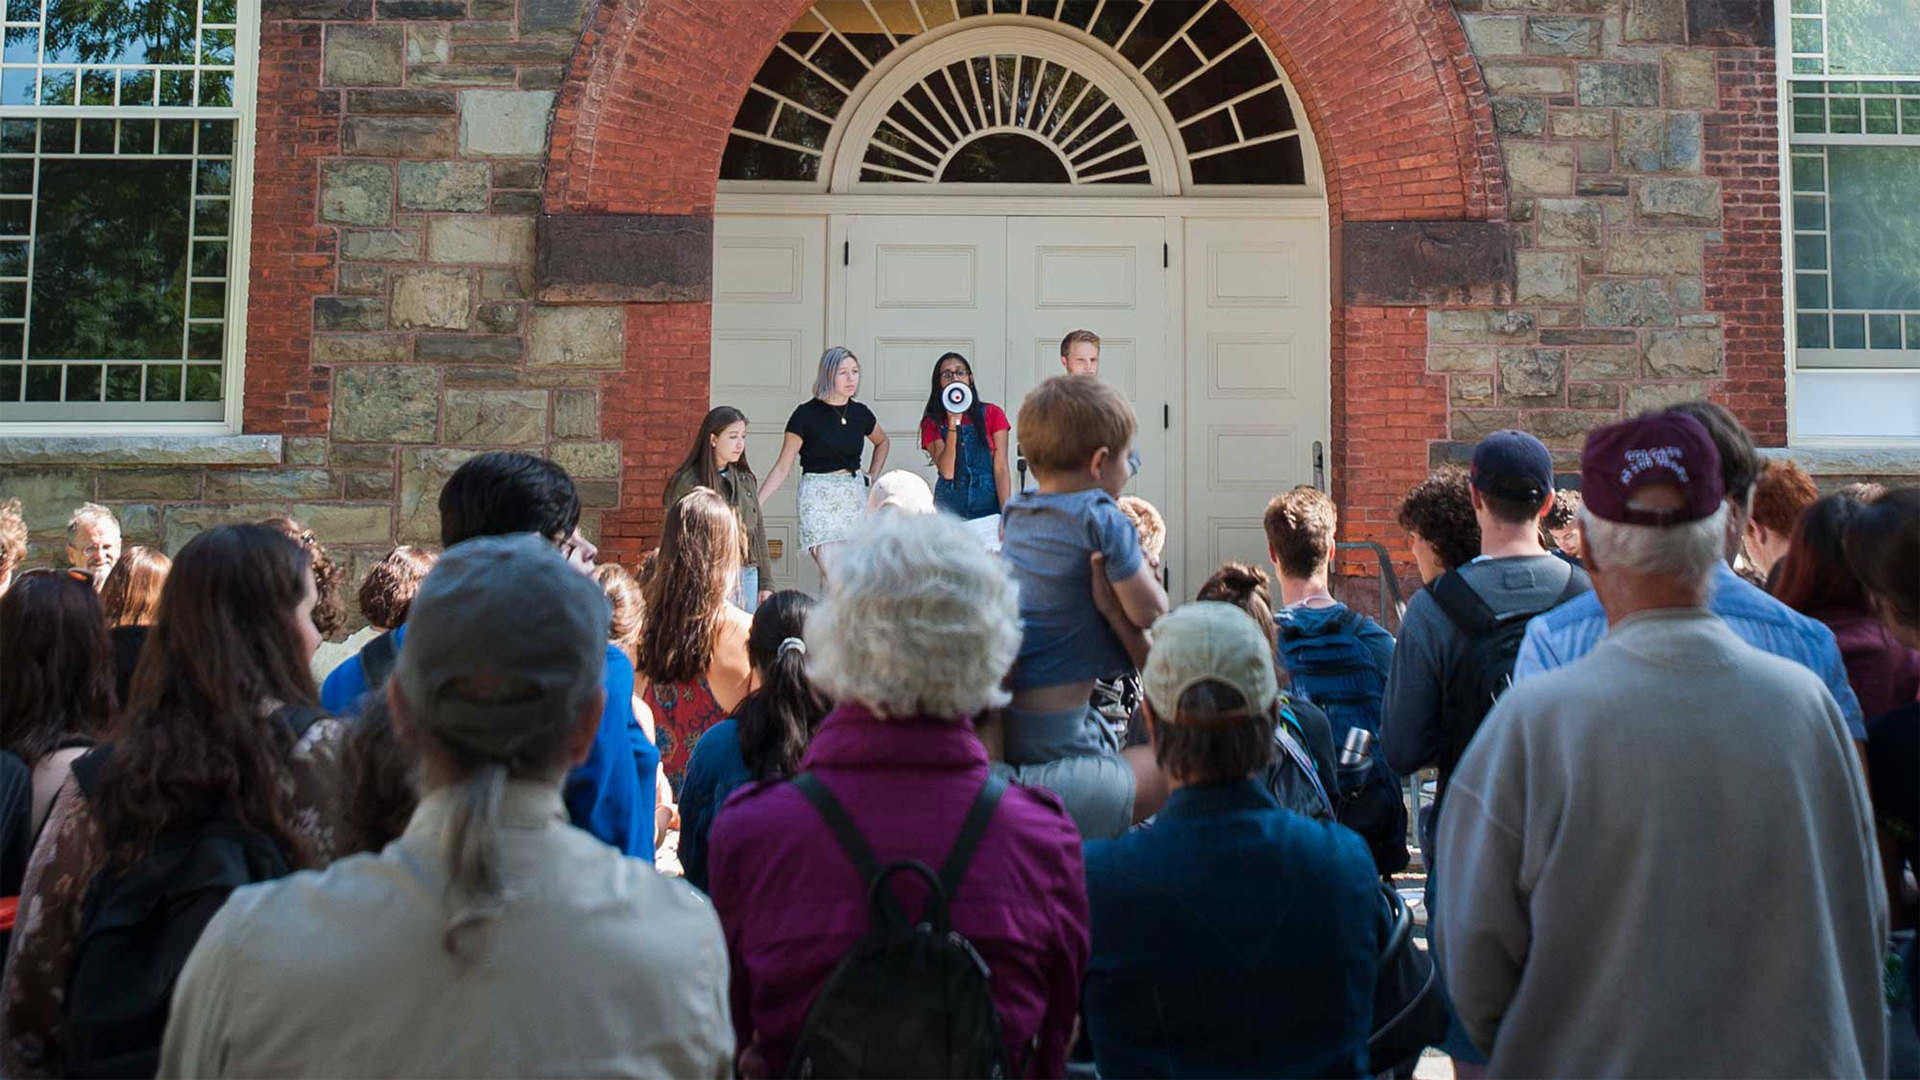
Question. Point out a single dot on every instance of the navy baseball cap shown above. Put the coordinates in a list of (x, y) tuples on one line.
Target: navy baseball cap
[(1513, 465), (1665, 449)]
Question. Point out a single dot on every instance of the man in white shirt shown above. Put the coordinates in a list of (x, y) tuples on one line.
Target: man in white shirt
[(492, 938)]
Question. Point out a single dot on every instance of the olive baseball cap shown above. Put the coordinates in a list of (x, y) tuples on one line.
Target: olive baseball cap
[(503, 640), (1208, 641)]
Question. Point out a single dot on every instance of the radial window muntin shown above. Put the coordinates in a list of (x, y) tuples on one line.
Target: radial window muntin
[(1201, 82)]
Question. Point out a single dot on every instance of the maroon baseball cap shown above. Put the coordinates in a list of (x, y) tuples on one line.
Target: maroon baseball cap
[(1663, 449)]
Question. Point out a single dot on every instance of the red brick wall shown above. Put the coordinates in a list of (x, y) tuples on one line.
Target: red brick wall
[(1744, 276), (651, 408), (291, 257), (1386, 410)]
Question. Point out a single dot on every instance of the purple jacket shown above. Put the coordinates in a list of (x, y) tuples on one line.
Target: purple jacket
[(792, 904), (1884, 673)]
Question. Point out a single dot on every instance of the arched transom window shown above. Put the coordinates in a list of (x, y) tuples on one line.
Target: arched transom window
[(1108, 95)]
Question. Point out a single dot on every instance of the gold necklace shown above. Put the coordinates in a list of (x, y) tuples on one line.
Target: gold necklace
[(841, 411)]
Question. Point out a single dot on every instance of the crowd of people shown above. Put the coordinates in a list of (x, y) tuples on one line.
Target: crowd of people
[(991, 803)]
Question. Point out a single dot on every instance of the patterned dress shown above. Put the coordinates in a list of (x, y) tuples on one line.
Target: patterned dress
[(72, 852), (682, 712)]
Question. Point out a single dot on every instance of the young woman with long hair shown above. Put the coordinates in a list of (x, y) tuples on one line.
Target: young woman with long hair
[(693, 667), (131, 596), (208, 735), (825, 433), (969, 449), (765, 736), (57, 695), (718, 460), (1816, 579)]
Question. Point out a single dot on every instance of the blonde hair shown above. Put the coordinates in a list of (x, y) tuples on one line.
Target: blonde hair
[(1067, 418), (13, 535), (830, 369), (1078, 337), (629, 608), (1147, 522), (919, 620)]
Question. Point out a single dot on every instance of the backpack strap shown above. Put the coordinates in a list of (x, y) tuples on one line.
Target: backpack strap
[(1578, 583), (86, 770), (376, 660), (1465, 607), (847, 834), (298, 719), (971, 830)]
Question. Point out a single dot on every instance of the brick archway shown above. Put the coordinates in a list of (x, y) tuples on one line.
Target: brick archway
[(1403, 124)]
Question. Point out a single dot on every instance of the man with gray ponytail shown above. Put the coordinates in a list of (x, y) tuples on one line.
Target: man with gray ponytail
[(492, 938), (1607, 856)]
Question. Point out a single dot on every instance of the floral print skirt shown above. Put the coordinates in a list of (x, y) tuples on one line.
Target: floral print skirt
[(831, 506)]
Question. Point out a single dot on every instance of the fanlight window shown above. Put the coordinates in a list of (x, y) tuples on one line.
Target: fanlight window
[(1011, 117)]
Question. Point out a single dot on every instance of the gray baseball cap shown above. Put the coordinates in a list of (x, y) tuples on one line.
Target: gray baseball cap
[(507, 614)]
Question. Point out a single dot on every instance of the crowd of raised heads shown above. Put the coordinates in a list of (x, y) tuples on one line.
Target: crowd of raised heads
[(1640, 755)]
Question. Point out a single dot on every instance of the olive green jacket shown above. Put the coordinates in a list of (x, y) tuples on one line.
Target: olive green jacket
[(741, 490)]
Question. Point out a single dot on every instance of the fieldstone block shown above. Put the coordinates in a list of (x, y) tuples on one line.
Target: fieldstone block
[(1629, 303), (587, 459), (515, 202), (542, 76), (306, 450), (480, 240), (544, 16), (1581, 124), (1495, 35), (443, 185), (349, 313), (355, 193), (1448, 325), (500, 318), (505, 123), (1611, 83), (360, 280), (150, 484), (519, 174), (428, 44), (1559, 427), (1546, 277), (1563, 36), (493, 9), (578, 337), (496, 417), (403, 102), (370, 485), (1595, 157), (1680, 354), (515, 284), (466, 349), (432, 298), (1677, 200), (1690, 294), (362, 56), (347, 524), (551, 50), (1692, 82), (422, 9), (47, 499), (461, 75), (350, 456), (1669, 252), (1651, 397), (1441, 358), (605, 493), (385, 245), (1600, 185), (1531, 373), (398, 136), (1512, 78), (139, 523), (1660, 142), (1736, 23), (576, 414), (1593, 395), (359, 349), (264, 484), (183, 523), (1656, 20), (317, 9), (497, 377), (1540, 168), (1569, 223), (1472, 425), (385, 404), (422, 474), (1519, 115), (1471, 391), (1602, 364), (1587, 335)]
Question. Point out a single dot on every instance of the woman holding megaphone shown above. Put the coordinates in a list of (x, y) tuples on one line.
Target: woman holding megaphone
[(967, 440)]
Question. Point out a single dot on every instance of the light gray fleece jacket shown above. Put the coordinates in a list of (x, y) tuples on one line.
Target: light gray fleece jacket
[(1660, 862)]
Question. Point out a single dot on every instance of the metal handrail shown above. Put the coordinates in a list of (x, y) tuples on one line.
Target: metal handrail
[(1389, 583)]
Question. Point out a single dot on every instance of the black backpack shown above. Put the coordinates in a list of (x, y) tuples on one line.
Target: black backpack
[(1493, 644), (910, 999), (139, 923)]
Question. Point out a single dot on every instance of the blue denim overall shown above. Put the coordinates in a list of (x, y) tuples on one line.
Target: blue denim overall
[(971, 493)]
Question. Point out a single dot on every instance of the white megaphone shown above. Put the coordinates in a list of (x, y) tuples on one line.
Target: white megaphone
[(957, 397)]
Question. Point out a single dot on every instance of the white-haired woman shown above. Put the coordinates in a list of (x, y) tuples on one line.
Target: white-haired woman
[(825, 434), (919, 626)]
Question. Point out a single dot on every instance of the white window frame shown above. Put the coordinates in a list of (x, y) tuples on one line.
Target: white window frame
[(1870, 405), (240, 209)]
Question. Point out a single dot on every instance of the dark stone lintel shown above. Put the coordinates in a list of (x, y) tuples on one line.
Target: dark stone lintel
[(625, 258), (1424, 262)]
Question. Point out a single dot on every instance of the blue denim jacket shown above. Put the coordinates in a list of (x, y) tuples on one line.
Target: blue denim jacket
[(1570, 631)]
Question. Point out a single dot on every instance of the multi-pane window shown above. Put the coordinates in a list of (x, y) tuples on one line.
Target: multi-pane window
[(121, 126), (1854, 142)]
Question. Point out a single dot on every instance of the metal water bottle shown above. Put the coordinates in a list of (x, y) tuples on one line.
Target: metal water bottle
[(1357, 747)]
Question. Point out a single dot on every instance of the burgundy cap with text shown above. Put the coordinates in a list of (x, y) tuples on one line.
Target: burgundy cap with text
[(1664, 449)]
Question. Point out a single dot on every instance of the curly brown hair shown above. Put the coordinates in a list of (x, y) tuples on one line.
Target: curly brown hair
[(1440, 510), (387, 594), (194, 741), (1300, 525), (380, 776), (1781, 494), (329, 614), (13, 535), (685, 592)]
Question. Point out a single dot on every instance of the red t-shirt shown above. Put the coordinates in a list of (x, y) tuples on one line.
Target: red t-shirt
[(933, 431)]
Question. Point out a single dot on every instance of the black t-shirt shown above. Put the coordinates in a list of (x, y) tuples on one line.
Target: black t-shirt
[(830, 435)]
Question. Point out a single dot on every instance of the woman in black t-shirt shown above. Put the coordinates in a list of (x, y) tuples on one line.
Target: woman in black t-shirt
[(825, 433)]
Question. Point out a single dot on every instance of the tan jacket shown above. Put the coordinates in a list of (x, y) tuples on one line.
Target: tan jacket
[(741, 489)]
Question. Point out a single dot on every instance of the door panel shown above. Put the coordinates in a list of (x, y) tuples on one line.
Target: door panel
[(769, 310), (1256, 379)]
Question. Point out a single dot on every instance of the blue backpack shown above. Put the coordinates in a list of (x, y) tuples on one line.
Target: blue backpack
[(1335, 670)]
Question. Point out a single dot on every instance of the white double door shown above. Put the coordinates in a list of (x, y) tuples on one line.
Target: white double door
[(1214, 329)]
